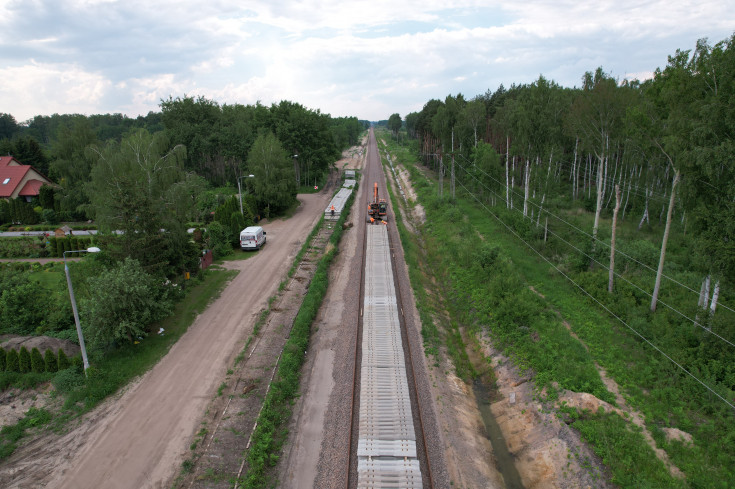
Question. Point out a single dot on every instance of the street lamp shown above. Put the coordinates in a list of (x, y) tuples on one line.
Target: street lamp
[(296, 169), (239, 190), (92, 249)]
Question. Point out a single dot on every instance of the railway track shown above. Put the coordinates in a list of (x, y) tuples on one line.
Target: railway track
[(387, 442)]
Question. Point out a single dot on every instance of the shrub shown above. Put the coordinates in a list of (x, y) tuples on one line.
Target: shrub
[(68, 379), (2, 359), (11, 361), (63, 361), (24, 360), (50, 362), (37, 364)]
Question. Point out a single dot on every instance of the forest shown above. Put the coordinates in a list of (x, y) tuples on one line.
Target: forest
[(624, 190)]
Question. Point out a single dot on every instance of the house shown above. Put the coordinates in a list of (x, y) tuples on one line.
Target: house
[(18, 180)]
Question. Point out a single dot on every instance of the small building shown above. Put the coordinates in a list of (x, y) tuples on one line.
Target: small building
[(63, 231), (18, 180)]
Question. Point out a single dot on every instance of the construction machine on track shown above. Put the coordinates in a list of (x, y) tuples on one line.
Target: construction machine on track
[(377, 208)]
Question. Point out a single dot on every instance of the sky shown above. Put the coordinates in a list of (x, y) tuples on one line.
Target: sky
[(367, 59)]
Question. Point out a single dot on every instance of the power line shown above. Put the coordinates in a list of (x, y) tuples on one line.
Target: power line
[(517, 193), (597, 301), (626, 280)]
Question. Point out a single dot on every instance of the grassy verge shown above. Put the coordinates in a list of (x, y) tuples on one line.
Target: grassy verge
[(486, 274), (115, 369), (269, 436)]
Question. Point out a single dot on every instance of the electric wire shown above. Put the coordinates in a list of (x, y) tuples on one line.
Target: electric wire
[(617, 274), (517, 193), (512, 231)]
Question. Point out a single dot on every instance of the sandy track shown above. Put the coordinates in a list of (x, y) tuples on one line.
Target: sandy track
[(140, 440)]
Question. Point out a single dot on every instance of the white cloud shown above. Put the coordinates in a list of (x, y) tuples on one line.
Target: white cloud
[(37, 88), (364, 58)]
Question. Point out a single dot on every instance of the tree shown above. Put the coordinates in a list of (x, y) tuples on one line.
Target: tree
[(11, 361), (50, 362), (21, 304), (123, 301), (394, 124), (8, 126), (273, 185), (596, 117), (63, 360), (71, 166), (24, 360), (37, 361), (131, 191), (473, 115)]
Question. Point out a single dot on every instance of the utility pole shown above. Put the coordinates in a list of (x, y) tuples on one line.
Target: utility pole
[(451, 182)]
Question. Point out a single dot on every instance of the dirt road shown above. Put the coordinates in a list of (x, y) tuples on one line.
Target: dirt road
[(141, 439)]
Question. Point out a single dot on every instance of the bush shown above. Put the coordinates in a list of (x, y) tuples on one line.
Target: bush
[(63, 361), (37, 364), (68, 379), (50, 362), (2, 359), (24, 360), (49, 216), (11, 361)]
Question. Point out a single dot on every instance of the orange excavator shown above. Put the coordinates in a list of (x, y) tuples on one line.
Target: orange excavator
[(377, 209)]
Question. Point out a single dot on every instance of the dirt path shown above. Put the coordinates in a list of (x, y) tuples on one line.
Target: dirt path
[(141, 439)]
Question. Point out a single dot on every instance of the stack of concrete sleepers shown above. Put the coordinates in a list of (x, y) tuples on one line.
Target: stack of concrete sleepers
[(349, 183), (337, 204), (386, 452)]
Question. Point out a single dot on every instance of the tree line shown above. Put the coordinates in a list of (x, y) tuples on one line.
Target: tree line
[(656, 148), (144, 181)]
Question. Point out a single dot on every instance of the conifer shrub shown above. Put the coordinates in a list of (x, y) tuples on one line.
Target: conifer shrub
[(2, 359), (51, 363), (24, 360), (11, 361), (37, 364), (63, 361)]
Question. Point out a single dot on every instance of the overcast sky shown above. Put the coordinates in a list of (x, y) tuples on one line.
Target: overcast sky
[(344, 57)]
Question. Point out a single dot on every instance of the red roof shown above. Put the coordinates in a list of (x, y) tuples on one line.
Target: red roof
[(10, 177), (30, 188), (5, 161)]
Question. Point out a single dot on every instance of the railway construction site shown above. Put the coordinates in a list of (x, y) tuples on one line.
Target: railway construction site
[(355, 421)]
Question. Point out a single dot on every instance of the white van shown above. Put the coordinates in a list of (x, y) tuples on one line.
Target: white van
[(252, 238)]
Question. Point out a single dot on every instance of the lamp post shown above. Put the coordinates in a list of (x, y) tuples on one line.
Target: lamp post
[(92, 249), (296, 169), (239, 190)]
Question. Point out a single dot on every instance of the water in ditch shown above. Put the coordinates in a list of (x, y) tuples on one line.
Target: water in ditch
[(505, 460), (485, 395)]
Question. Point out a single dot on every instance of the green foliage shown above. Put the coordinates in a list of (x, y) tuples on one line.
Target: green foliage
[(623, 447), (63, 361), (37, 362), (3, 355), (274, 184), (394, 124), (129, 192), (11, 361), (123, 301), (51, 363), (24, 360), (218, 239)]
